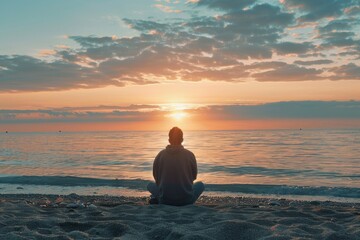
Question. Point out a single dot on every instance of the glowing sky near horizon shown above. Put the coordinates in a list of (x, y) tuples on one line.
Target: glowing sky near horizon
[(133, 63)]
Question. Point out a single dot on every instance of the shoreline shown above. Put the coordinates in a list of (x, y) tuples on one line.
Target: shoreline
[(39, 216), (137, 187), (204, 200)]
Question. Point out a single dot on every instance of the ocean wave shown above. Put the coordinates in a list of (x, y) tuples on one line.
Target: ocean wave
[(279, 172), (140, 184)]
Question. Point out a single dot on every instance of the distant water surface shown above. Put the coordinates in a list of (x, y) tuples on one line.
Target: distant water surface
[(315, 158)]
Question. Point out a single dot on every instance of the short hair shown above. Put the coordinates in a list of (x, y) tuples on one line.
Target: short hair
[(175, 135)]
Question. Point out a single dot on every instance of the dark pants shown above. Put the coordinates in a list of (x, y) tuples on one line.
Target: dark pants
[(198, 189)]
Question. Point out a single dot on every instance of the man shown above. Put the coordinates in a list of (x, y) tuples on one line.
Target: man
[(174, 171)]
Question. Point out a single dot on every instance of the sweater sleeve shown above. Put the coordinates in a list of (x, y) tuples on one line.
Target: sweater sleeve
[(156, 170), (194, 167)]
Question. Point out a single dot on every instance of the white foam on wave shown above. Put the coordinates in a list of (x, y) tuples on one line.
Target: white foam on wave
[(137, 187)]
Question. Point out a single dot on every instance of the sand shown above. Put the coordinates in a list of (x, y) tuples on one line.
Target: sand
[(104, 217)]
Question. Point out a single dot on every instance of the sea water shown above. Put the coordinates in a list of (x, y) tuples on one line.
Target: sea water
[(286, 163)]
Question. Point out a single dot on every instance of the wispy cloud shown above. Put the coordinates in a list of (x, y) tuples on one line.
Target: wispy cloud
[(167, 9), (288, 110), (314, 62), (46, 52), (134, 113)]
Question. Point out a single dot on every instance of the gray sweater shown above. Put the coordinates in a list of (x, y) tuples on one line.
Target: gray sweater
[(174, 171)]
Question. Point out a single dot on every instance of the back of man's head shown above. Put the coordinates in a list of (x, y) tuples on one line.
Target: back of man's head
[(175, 136)]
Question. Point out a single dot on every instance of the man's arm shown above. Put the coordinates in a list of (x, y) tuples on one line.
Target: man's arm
[(156, 170), (194, 168)]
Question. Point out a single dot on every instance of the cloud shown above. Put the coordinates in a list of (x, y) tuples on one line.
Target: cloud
[(353, 10), (349, 71), (23, 73), (233, 74), (147, 25), (339, 39), (61, 46), (228, 5), (132, 107), (46, 52), (293, 48), (340, 33), (316, 10), (258, 26), (286, 110), (244, 40), (135, 113), (338, 25), (288, 72), (92, 41), (75, 116), (314, 62), (167, 9)]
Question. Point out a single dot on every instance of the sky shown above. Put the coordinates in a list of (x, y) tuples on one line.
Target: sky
[(108, 65)]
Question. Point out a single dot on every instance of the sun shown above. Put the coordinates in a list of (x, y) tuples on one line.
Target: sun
[(178, 115)]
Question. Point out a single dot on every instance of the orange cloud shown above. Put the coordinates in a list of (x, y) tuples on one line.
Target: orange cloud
[(46, 52)]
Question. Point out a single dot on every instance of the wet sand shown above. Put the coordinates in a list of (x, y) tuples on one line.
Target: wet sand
[(26, 216)]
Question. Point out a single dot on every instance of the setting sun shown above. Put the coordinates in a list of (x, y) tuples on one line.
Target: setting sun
[(178, 115)]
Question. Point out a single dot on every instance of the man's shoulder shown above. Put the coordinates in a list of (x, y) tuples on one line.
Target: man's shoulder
[(189, 152), (161, 152)]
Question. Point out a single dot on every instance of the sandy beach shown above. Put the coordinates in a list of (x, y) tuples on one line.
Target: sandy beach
[(104, 217)]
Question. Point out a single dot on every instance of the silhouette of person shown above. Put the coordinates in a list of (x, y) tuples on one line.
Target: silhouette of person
[(174, 171)]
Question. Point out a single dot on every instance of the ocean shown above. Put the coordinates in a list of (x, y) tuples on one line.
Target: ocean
[(301, 164)]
